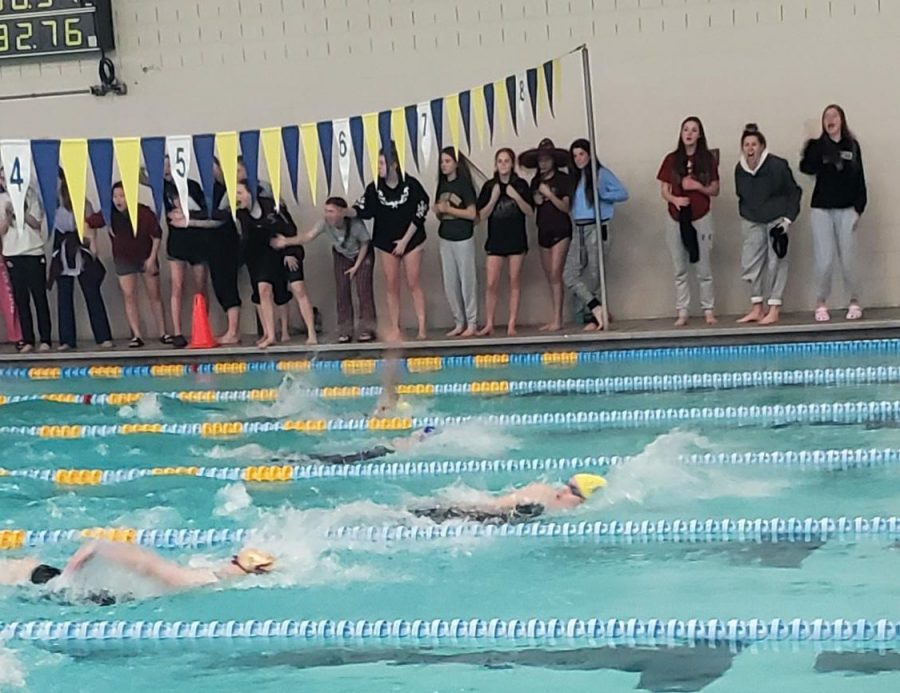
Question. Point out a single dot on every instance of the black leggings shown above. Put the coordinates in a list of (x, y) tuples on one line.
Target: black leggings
[(224, 263), (28, 275)]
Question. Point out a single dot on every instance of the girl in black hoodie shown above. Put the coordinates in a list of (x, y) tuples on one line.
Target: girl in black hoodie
[(838, 202)]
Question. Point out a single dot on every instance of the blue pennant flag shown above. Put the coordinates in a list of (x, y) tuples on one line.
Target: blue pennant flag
[(437, 121), (465, 108), (384, 133), (548, 78), (489, 106), (531, 77), (101, 155), (204, 151), (512, 93), (249, 140), (326, 146), (154, 149), (45, 154), (290, 137), (356, 134), (412, 127)]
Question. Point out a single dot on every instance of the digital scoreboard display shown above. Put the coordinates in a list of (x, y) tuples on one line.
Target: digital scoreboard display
[(40, 28)]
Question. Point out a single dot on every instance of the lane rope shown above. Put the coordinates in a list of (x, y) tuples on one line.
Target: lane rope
[(287, 471), (683, 382), (766, 415), (552, 359)]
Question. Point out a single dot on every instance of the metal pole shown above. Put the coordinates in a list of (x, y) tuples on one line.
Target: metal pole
[(46, 94), (592, 138)]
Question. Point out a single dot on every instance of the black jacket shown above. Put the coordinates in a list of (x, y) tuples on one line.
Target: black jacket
[(769, 194), (840, 177)]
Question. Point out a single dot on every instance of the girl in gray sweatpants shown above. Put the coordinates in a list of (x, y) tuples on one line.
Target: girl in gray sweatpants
[(838, 201), (769, 202)]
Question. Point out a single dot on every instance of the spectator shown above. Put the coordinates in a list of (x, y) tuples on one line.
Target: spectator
[(7, 300), (73, 258), (23, 250), (187, 246), (354, 261), (769, 202), (582, 271), (455, 209), (399, 204), (839, 200), (263, 187), (506, 202), (552, 190), (689, 178), (224, 257), (261, 223), (134, 255)]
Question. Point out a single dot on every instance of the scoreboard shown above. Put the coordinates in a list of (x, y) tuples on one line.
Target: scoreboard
[(41, 28)]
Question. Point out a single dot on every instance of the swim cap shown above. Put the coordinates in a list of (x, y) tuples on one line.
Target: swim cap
[(44, 574), (254, 561), (428, 430), (584, 485)]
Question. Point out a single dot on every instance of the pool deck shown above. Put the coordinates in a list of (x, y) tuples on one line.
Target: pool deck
[(626, 334)]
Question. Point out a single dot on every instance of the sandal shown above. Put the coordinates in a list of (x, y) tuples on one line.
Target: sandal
[(822, 314), (366, 337), (136, 343), (344, 339), (854, 312), (166, 339)]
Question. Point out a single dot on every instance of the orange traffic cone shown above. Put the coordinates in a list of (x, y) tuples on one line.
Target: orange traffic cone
[(201, 334)]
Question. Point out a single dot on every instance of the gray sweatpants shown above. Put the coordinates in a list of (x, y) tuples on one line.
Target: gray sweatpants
[(766, 273), (460, 280), (581, 274), (833, 231), (681, 261)]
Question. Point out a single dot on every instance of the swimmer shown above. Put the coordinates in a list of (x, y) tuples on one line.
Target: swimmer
[(522, 505), (379, 451), (138, 561), (389, 402)]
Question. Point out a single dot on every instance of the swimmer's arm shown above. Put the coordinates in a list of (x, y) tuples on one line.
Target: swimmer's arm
[(137, 560)]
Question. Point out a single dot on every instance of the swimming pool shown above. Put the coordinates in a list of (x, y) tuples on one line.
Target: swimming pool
[(749, 487)]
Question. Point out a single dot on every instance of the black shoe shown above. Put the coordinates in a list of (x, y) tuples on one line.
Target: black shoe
[(366, 337), (166, 339), (136, 343), (179, 342), (344, 339)]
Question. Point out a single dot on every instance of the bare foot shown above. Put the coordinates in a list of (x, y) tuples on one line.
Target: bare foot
[(554, 327), (470, 332), (682, 320), (511, 331), (598, 316), (591, 327), (229, 339), (265, 343), (312, 340), (393, 336), (711, 318), (285, 337), (422, 336), (773, 316), (755, 315), (486, 331), (455, 332)]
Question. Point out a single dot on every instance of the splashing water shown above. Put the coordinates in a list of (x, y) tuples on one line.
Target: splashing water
[(231, 500), (472, 438), (251, 451), (293, 399), (147, 408), (12, 674)]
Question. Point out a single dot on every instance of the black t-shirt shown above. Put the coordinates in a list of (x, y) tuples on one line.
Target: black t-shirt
[(460, 194), (551, 220), (393, 210), (507, 224)]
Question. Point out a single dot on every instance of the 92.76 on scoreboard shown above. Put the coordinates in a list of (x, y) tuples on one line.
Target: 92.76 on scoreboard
[(39, 28)]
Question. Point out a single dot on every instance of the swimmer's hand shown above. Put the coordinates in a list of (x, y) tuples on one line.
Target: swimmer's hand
[(81, 557)]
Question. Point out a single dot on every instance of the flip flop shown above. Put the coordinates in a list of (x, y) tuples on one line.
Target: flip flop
[(854, 312), (822, 314)]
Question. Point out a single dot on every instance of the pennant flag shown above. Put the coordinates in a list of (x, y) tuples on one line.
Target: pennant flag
[(510, 86), (451, 104), (325, 130), (398, 133), (412, 127), (290, 136), (531, 77), (73, 155), (16, 156), (271, 141), (154, 149), (478, 114), (101, 156), (384, 134), (179, 149), (227, 145), (370, 126), (437, 122), (522, 97), (45, 161), (548, 81), (205, 151), (426, 134), (249, 140), (489, 107), (345, 150), (557, 78), (357, 137), (310, 137), (128, 158), (465, 110)]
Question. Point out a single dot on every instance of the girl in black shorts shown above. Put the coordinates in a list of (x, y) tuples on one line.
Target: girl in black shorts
[(271, 269), (398, 203), (552, 189), (506, 202)]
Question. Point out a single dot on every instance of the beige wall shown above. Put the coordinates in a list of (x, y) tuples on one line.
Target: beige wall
[(206, 65)]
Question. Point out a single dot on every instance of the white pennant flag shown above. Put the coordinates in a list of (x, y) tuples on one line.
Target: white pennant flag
[(344, 143), (16, 156), (523, 102), (426, 134), (179, 150)]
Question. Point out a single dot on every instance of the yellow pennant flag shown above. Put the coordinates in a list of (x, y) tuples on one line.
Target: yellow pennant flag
[(398, 134), (310, 137), (227, 144), (73, 156), (478, 110), (128, 159), (501, 105), (272, 147), (451, 105), (370, 128)]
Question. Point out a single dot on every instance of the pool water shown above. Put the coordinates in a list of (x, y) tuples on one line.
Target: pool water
[(512, 577)]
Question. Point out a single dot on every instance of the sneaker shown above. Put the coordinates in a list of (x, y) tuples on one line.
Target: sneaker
[(64, 347), (107, 344), (44, 348), (366, 337), (179, 342), (344, 339), (24, 348)]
